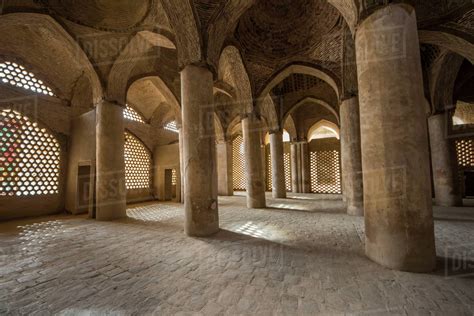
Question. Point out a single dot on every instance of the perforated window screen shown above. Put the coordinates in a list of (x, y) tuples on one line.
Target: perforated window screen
[(287, 162), (269, 170), (29, 157), (238, 164), (16, 75), (172, 127), (325, 172), (130, 114), (465, 153), (137, 164), (174, 177)]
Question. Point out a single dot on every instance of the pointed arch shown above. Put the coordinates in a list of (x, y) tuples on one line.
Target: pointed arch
[(447, 40), (135, 52), (314, 71), (231, 70), (289, 125), (183, 20), (323, 125), (312, 100), (24, 35), (150, 93)]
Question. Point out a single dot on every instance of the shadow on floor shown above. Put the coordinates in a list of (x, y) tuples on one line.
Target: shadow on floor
[(323, 210)]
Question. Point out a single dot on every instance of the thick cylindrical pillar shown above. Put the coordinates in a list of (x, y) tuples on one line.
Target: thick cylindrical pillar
[(224, 168), (253, 162), (446, 185), (395, 160), (110, 141), (199, 152), (278, 165), (305, 168), (351, 159), (181, 165), (295, 179)]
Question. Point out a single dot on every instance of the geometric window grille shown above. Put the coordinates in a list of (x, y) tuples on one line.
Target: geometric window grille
[(137, 164), (174, 177), (238, 164), (16, 75), (325, 172), (172, 127), (29, 157), (269, 172), (130, 114), (465, 152), (287, 164)]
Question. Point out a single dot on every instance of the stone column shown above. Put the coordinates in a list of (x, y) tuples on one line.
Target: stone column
[(395, 159), (224, 168), (278, 165), (111, 193), (305, 168), (253, 162), (295, 181), (443, 159), (181, 165), (199, 148), (351, 160)]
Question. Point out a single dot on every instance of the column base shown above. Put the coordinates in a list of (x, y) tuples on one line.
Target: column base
[(277, 195), (256, 204), (355, 210), (449, 201), (396, 258), (206, 232)]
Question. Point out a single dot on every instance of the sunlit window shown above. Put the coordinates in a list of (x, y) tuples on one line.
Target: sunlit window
[(137, 163), (238, 164), (16, 75), (172, 127), (174, 177), (130, 114), (29, 157)]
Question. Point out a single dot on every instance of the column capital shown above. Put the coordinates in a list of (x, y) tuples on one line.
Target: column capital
[(275, 131), (201, 64), (112, 102), (348, 97), (368, 9)]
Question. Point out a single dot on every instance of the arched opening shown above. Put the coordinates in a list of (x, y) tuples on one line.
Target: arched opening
[(323, 129), (325, 158), (30, 166)]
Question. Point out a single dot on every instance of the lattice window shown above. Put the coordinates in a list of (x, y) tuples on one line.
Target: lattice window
[(325, 172), (238, 164), (269, 171), (16, 75), (137, 163), (172, 127), (174, 177), (465, 152), (131, 114), (287, 164), (29, 157)]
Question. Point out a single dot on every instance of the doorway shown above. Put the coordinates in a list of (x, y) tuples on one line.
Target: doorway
[(85, 190), (469, 184)]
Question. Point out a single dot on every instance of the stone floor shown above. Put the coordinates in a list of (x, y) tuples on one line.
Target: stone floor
[(301, 256)]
